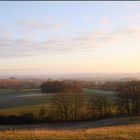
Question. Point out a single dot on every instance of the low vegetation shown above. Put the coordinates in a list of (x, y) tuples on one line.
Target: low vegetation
[(122, 132)]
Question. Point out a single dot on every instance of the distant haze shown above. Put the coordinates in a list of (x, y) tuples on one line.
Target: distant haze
[(82, 76)]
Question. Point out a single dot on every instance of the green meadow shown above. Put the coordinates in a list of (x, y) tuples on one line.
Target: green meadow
[(31, 100)]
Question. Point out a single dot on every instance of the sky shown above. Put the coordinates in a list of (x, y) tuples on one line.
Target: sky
[(41, 37)]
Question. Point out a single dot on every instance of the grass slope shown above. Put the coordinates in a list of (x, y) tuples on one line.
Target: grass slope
[(122, 131), (9, 98), (23, 109)]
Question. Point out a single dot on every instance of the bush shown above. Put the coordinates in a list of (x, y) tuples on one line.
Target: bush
[(18, 119)]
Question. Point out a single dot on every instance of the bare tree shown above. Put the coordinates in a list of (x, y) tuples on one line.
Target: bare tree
[(128, 95), (99, 106), (77, 102), (67, 106)]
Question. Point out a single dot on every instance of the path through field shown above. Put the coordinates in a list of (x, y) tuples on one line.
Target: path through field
[(78, 125)]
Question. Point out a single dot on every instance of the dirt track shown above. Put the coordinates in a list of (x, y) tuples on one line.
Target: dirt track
[(78, 125)]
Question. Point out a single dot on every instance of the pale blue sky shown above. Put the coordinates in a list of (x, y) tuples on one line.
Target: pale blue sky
[(69, 37), (75, 12)]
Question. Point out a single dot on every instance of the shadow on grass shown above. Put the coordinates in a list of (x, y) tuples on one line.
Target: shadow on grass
[(116, 121)]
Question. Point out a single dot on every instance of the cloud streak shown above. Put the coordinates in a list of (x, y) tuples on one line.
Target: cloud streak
[(12, 46)]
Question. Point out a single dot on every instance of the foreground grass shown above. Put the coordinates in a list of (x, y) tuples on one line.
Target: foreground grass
[(126, 132)]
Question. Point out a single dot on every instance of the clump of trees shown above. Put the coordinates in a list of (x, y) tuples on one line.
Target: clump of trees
[(128, 99), (67, 106), (27, 118), (99, 106), (75, 106), (60, 86)]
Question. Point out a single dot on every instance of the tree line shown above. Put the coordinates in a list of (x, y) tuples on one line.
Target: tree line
[(54, 86), (128, 99), (47, 86), (13, 83)]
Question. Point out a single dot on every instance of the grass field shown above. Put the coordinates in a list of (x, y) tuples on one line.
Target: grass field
[(31, 100), (122, 131), (23, 109), (4, 92), (10, 98), (97, 91)]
